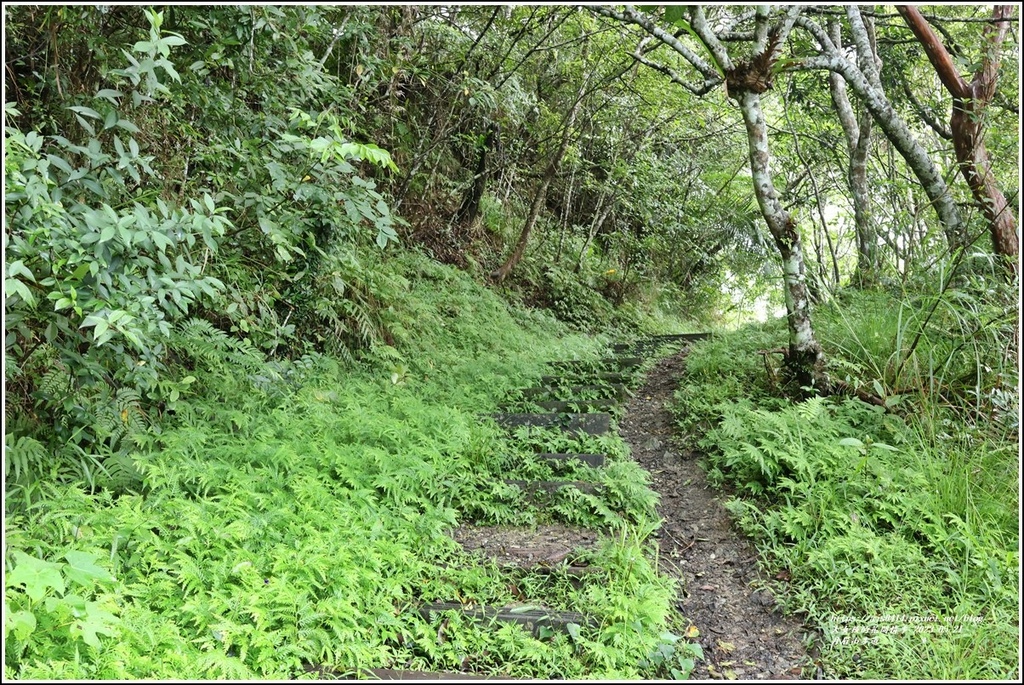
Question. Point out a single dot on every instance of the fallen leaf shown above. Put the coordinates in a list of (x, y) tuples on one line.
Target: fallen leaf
[(783, 575), (730, 674), (708, 587), (691, 633), (726, 647)]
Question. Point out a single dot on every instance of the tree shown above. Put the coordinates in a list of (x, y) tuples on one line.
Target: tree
[(502, 272), (863, 77), (970, 99), (857, 129), (745, 81)]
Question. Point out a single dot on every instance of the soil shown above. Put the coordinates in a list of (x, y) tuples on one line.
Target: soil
[(527, 547), (742, 632), (740, 628)]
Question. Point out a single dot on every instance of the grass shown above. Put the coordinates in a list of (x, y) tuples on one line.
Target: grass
[(299, 518), (897, 529)]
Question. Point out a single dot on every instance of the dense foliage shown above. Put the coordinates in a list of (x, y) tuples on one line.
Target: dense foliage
[(895, 526), (249, 294)]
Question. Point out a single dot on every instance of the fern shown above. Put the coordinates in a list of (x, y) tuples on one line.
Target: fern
[(122, 473), (24, 457), (212, 348)]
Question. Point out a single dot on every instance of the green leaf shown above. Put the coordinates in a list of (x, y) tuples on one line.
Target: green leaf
[(525, 608), (128, 126), (109, 94), (173, 40), (35, 575), (83, 570), (675, 13), (574, 631), (96, 620), (21, 623), (87, 112), (851, 442), (60, 163)]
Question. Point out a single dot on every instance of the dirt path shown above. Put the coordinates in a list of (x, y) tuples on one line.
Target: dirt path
[(742, 633)]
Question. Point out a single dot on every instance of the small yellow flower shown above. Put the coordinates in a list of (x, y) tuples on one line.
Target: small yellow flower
[(609, 272)]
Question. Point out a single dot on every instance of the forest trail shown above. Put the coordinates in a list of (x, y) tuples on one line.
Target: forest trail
[(743, 634), (741, 630)]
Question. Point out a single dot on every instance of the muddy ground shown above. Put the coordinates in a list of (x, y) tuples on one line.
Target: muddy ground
[(743, 634)]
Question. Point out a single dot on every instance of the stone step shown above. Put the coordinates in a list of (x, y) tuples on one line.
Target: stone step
[(651, 343), (577, 376), (592, 460), (540, 490), (600, 390), (673, 337), (608, 363), (578, 406), (592, 424), (397, 674), (530, 617)]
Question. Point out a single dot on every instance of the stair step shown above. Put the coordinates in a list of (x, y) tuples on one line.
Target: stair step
[(546, 488), (610, 363), (602, 391), (603, 376), (396, 674), (530, 618), (597, 423), (578, 406), (593, 460), (653, 342)]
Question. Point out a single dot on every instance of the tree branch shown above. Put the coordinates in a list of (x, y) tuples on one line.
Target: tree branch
[(700, 26), (667, 71), (935, 124), (631, 16), (936, 52)]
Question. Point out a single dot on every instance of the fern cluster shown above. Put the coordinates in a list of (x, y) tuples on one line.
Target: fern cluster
[(870, 514), (290, 513)]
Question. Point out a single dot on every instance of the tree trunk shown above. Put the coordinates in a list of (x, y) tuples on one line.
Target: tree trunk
[(470, 208), (604, 206), (858, 143), (502, 272), (805, 361), (965, 124)]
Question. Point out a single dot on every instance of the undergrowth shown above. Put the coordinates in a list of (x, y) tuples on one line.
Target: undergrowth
[(296, 513), (896, 528)]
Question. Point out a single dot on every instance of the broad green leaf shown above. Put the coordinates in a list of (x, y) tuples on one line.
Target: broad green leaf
[(35, 575), (574, 631), (97, 620), (83, 569), (851, 442), (87, 112), (109, 94), (16, 287), (21, 623)]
